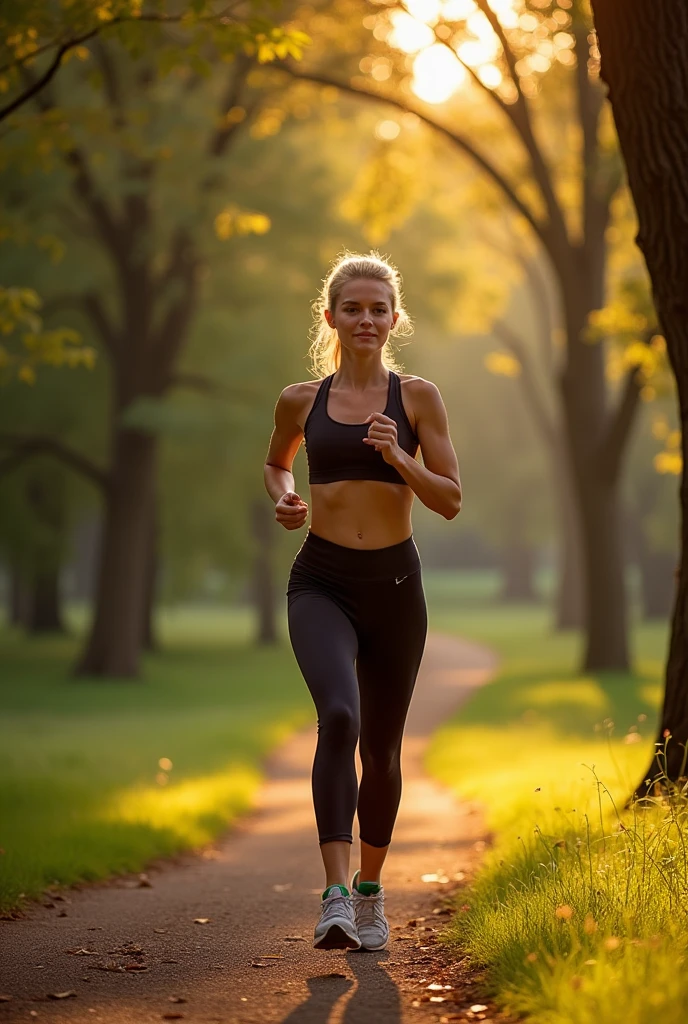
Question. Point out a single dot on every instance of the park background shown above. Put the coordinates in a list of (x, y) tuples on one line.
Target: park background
[(176, 186)]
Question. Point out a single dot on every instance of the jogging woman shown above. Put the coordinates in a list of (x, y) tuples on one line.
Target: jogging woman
[(356, 608)]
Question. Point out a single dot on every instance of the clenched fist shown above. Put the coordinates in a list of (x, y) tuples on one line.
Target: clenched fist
[(291, 511)]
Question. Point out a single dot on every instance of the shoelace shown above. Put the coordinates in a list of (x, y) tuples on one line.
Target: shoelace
[(338, 903), (370, 909)]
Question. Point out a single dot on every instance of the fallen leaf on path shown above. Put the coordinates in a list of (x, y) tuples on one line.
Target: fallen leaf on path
[(201, 920), (135, 967), (478, 1008), (254, 963), (144, 881), (294, 938), (160, 931), (61, 995), (177, 999), (5, 999), (83, 952)]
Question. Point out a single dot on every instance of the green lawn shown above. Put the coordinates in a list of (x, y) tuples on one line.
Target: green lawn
[(577, 919), (99, 777)]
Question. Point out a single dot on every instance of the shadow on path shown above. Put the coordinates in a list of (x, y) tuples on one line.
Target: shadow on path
[(375, 997)]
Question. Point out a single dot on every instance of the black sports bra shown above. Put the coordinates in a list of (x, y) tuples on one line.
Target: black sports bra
[(335, 450)]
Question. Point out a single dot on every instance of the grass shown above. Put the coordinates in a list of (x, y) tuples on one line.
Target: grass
[(580, 911), (98, 777)]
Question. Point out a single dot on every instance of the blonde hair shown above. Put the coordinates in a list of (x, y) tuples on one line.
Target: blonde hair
[(325, 348)]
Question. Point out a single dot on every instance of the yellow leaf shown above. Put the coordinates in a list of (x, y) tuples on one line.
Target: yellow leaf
[(27, 374), (503, 364)]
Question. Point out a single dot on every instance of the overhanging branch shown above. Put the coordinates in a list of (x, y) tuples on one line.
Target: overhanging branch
[(543, 230), (24, 448)]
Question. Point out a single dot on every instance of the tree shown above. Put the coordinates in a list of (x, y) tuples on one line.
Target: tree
[(512, 65), (645, 66)]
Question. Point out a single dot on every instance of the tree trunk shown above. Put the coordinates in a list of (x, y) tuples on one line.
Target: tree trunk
[(149, 639), (518, 568), (644, 50), (263, 588), (114, 643), (570, 601), (45, 614), (19, 597), (586, 422)]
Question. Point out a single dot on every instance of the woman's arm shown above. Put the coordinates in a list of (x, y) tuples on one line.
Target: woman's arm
[(290, 510), (436, 482)]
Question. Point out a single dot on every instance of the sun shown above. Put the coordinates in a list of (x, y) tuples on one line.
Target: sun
[(438, 72)]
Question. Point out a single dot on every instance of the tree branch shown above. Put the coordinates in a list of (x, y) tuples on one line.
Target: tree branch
[(541, 229), (71, 44), (28, 447)]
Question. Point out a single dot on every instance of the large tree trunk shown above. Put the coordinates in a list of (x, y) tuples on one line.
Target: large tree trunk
[(114, 643), (586, 423), (263, 584), (149, 639), (45, 614), (644, 50), (570, 600), (19, 597)]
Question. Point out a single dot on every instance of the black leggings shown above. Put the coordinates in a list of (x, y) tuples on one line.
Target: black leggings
[(357, 623)]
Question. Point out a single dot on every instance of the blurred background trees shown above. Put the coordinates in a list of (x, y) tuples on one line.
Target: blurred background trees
[(178, 191)]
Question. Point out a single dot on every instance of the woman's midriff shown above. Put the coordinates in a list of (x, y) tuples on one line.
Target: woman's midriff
[(361, 513)]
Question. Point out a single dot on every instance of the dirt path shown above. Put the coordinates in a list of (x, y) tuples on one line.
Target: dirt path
[(252, 961)]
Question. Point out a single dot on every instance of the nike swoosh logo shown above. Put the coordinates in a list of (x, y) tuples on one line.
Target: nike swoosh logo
[(399, 579)]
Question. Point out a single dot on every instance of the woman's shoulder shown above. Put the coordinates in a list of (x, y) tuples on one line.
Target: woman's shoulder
[(416, 385)]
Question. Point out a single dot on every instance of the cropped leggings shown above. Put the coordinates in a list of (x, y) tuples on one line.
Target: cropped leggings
[(357, 623)]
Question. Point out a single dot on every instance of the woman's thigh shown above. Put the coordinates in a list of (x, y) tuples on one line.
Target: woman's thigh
[(325, 645), (390, 652)]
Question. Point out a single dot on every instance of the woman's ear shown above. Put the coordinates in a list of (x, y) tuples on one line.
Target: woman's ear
[(329, 317)]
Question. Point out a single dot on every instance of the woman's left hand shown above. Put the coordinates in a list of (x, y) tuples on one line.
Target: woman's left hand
[(382, 433)]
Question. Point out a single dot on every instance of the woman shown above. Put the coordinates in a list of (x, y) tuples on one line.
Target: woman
[(356, 607)]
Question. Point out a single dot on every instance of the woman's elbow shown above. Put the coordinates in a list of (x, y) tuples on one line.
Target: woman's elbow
[(454, 506)]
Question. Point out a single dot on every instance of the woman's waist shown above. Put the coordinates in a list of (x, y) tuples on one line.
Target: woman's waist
[(321, 555), (361, 513)]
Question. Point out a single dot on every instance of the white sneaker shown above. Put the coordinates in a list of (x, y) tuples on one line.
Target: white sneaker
[(369, 913), (336, 928)]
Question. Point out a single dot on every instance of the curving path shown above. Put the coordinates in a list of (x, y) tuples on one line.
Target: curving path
[(259, 888)]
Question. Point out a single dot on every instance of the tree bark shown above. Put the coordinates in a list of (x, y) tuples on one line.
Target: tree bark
[(570, 600), (19, 597), (644, 49), (114, 644), (263, 588), (586, 422), (45, 614)]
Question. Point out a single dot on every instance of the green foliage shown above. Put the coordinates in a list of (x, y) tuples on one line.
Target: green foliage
[(83, 791), (26, 345), (579, 911)]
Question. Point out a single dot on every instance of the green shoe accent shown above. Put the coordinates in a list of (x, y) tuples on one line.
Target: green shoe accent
[(365, 888), (343, 888)]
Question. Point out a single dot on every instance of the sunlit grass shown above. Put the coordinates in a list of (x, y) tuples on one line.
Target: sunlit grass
[(577, 919), (98, 777)]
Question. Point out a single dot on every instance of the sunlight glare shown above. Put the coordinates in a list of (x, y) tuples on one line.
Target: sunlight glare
[(436, 74), (490, 75), (475, 52), (424, 10), (408, 34), (456, 10)]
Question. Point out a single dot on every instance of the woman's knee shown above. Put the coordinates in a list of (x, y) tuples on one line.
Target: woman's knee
[(340, 724)]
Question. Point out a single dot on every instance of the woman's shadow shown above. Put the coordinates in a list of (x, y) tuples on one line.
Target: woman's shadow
[(376, 997)]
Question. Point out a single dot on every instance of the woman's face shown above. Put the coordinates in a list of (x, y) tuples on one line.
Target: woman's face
[(363, 315)]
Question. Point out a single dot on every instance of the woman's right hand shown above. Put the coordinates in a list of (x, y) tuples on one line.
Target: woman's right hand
[(291, 511)]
